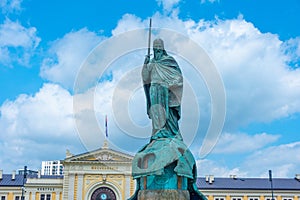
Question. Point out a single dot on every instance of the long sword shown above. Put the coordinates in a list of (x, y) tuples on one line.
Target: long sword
[(149, 38), (147, 85)]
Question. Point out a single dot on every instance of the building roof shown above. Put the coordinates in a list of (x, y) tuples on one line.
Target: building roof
[(46, 176), (249, 183), (7, 180)]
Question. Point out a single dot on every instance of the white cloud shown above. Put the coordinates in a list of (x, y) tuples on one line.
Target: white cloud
[(254, 69), (17, 42), (9, 6), (4, 56), (15, 35), (31, 126), (283, 160), (66, 56), (210, 1), (292, 50), (210, 167), (131, 22), (168, 5), (127, 23), (243, 143)]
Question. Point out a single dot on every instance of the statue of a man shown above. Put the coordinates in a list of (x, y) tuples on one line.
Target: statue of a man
[(163, 84), (165, 164)]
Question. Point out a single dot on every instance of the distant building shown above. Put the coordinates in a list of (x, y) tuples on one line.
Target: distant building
[(28, 172), (52, 168), (11, 186), (237, 188), (107, 173)]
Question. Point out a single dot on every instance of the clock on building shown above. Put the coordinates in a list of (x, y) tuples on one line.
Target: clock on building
[(103, 193)]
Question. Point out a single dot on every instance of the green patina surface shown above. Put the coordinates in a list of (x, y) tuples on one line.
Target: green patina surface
[(165, 162), (155, 156), (167, 180)]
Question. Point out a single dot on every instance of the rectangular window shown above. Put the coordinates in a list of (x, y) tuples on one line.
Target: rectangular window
[(236, 198), (253, 198), (270, 198), (48, 197), (17, 198), (287, 198), (2, 197), (219, 198), (42, 197)]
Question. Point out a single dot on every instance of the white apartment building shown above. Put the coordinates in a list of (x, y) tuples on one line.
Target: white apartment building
[(54, 167)]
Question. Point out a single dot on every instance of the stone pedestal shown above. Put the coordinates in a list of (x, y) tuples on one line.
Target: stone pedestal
[(163, 195)]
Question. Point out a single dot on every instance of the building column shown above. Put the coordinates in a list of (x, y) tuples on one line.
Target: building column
[(33, 196), (127, 186), (30, 195), (70, 193), (37, 195), (66, 185), (75, 186), (132, 187), (10, 196), (261, 197), (79, 186), (57, 195), (278, 197), (53, 195)]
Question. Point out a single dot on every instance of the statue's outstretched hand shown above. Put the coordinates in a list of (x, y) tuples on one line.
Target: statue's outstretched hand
[(147, 59)]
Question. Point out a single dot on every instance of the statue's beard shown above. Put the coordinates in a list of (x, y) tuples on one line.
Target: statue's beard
[(158, 53)]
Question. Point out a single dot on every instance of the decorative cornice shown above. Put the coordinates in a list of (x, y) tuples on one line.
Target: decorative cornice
[(101, 155)]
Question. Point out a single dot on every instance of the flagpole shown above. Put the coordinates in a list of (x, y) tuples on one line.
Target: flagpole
[(106, 129), (105, 143)]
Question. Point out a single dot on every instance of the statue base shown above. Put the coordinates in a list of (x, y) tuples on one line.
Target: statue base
[(163, 195), (165, 169)]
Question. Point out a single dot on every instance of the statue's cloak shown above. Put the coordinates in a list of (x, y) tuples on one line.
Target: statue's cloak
[(164, 72)]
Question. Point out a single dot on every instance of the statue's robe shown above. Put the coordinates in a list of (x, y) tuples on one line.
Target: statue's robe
[(163, 85), (166, 152)]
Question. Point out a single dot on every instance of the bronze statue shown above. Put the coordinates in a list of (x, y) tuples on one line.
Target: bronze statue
[(163, 84), (165, 166)]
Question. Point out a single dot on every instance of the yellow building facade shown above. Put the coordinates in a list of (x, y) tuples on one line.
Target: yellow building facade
[(102, 172)]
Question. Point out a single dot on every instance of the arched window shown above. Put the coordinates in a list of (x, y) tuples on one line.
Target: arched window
[(103, 193)]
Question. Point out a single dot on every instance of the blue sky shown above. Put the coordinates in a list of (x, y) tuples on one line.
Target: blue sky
[(253, 44)]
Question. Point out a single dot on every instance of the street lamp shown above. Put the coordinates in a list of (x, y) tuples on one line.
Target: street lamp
[(24, 178), (271, 180)]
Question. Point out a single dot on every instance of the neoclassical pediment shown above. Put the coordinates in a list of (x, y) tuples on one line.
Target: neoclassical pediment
[(100, 155)]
